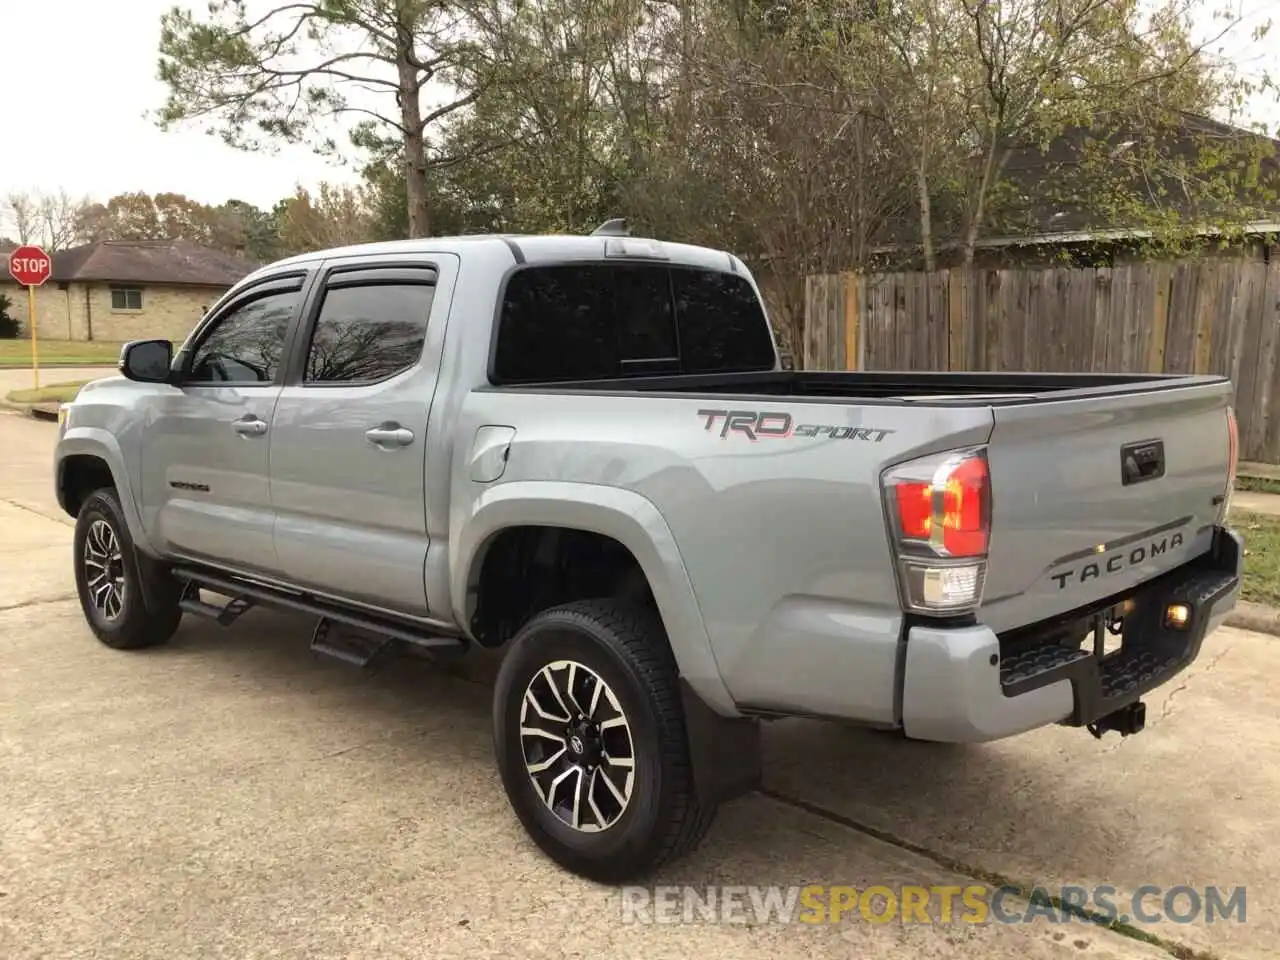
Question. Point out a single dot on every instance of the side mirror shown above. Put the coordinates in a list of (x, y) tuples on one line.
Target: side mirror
[(147, 361)]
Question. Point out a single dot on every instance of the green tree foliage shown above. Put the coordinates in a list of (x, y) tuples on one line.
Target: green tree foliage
[(960, 87), (10, 328), (299, 70), (809, 135), (332, 216), (234, 226)]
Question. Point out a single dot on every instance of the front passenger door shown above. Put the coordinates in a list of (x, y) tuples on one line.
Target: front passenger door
[(206, 491)]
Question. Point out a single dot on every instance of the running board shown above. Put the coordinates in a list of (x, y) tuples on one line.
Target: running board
[(246, 595), (332, 641), (223, 616)]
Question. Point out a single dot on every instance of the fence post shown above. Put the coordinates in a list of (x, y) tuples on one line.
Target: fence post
[(955, 319), (851, 359)]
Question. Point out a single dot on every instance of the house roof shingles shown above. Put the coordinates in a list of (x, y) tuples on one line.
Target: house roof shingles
[(1039, 206), (175, 262), (1029, 170)]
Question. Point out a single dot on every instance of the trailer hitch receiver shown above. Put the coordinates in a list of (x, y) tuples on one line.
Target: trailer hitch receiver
[(1125, 721)]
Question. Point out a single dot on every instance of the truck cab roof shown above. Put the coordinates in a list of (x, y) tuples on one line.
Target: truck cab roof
[(528, 248)]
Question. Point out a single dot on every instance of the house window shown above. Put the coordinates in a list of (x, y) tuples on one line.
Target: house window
[(126, 298)]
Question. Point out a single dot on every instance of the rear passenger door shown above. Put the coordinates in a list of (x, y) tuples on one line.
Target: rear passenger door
[(349, 437)]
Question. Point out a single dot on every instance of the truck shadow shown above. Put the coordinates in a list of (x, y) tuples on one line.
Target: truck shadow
[(1001, 808)]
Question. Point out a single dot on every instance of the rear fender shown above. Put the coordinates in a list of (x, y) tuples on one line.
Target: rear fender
[(627, 517)]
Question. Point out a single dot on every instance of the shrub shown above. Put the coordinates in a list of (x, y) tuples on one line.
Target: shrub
[(10, 329)]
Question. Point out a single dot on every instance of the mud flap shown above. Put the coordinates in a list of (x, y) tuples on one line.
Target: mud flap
[(725, 751), (156, 583)]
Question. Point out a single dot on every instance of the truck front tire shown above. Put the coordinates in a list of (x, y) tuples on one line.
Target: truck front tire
[(122, 612), (590, 741)]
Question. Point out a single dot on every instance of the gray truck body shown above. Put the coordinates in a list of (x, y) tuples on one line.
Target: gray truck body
[(769, 554)]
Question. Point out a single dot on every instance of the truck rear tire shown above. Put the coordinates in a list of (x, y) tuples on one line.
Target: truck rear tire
[(590, 741), (109, 579)]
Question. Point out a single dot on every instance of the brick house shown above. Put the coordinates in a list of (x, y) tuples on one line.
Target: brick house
[(117, 290)]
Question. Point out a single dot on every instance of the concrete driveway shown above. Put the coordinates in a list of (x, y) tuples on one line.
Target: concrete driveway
[(231, 796), (21, 378)]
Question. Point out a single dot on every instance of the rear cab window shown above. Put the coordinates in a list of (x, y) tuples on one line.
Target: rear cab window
[(605, 321)]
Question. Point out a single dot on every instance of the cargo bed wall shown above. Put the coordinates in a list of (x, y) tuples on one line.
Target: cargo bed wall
[(941, 389)]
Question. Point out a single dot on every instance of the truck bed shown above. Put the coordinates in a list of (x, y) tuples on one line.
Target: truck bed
[(1070, 526), (943, 388)]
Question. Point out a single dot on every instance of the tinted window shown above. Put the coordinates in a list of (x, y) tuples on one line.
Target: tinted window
[(368, 333), (643, 314), (594, 321), (583, 321), (245, 345), (722, 325)]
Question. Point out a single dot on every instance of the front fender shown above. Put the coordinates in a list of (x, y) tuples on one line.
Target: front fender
[(627, 517), (100, 443)]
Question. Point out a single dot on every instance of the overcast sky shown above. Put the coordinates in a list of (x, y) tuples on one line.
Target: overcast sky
[(81, 75), (85, 129)]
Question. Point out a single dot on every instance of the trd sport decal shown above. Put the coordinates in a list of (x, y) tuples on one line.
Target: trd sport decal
[(764, 424)]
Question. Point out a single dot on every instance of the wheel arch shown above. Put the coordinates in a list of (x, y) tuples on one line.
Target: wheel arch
[(620, 515), (85, 456)]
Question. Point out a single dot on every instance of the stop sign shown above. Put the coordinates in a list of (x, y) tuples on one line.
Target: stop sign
[(30, 265)]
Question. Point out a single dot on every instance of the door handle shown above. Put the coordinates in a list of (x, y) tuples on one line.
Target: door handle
[(389, 435), (1141, 461), (249, 426)]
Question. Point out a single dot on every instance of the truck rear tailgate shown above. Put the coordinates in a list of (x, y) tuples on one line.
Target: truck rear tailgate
[(1092, 496)]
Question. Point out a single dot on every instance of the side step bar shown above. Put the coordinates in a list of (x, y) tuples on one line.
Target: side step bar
[(224, 615), (381, 632), (348, 647)]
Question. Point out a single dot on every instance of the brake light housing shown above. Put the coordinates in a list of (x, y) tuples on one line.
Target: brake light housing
[(939, 513), (1233, 460)]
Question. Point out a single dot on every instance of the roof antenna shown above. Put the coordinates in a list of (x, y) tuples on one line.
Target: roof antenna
[(616, 227)]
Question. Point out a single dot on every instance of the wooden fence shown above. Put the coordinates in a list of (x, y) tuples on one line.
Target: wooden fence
[(1203, 316)]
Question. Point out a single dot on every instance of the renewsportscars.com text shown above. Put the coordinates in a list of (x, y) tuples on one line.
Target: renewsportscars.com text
[(975, 903)]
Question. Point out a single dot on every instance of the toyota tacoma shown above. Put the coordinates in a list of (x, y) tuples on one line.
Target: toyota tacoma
[(585, 452)]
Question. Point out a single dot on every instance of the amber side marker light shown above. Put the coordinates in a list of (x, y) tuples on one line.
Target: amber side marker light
[(1177, 615)]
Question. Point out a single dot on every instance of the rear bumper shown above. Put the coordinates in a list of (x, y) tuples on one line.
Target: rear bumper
[(969, 684)]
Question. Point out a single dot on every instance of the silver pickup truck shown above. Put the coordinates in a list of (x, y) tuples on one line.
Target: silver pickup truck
[(586, 452)]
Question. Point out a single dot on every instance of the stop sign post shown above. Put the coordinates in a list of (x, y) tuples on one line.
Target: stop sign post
[(31, 266)]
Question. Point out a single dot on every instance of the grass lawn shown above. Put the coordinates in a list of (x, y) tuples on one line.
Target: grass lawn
[(1261, 556), (1258, 484), (53, 393), (17, 353)]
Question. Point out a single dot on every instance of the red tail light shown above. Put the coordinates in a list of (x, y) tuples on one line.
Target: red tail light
[(951, 510), (940, 514), (1233, 446), (1233, 457)]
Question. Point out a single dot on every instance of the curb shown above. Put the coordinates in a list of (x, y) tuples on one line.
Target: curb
[(68, 365), (1258, 471), (38, 411), (1254, 616)]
